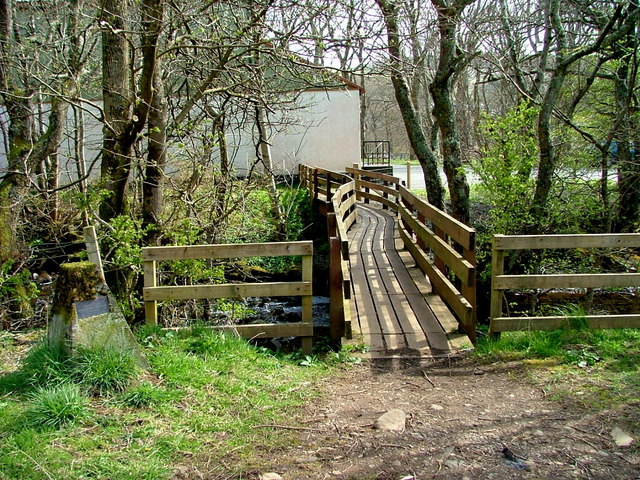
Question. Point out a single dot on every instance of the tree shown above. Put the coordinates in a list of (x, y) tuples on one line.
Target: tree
[(419, 143)]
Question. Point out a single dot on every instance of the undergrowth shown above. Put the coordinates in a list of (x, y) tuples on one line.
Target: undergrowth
[(595, 368), (208, 397)]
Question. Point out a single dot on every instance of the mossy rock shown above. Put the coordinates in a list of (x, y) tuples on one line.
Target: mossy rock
[(76, 282)]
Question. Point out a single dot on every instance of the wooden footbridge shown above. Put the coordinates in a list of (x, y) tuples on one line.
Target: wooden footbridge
[(402, 273), (401, 277)]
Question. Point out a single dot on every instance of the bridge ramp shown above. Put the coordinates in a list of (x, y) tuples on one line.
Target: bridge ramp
[(393, 308)]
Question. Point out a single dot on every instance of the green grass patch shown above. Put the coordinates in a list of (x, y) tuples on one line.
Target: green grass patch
[(595, 368), (208, 397)]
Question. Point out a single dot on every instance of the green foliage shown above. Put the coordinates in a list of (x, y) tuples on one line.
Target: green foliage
[(506, 166), (144, 394), (123, 261), (57, 406), (16, 285), (104, 371), (42, 366)]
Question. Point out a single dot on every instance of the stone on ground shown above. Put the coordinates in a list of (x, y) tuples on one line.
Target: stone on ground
[(622, 438), (392, 421)]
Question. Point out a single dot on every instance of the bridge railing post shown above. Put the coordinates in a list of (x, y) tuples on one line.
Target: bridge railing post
[(328, 186), (315, 184), (336, 292)]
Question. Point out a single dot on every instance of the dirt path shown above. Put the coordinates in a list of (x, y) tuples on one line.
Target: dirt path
[(460, 417)]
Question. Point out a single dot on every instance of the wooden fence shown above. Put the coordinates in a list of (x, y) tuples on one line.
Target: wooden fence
[(442, 247), (334, 195), (500, 282), (152, 293)]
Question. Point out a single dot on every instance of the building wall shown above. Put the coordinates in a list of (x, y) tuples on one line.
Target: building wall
[(322, 129), (323, 132)]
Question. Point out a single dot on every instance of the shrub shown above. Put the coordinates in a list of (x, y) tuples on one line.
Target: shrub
[(105, 371), (54, 407)]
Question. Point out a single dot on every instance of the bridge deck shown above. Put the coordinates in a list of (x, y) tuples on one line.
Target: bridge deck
[(392, 304)]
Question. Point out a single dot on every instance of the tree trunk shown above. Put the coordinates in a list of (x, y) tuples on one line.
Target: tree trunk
[(628, 165), (117, 148), (152, 197), (443, 109), (426, 157)]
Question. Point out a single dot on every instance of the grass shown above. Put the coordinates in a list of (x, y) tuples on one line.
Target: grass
[(598, 369), (209, 399)]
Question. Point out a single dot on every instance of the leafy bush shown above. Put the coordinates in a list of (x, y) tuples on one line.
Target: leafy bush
[(54, 407), (506, 166)]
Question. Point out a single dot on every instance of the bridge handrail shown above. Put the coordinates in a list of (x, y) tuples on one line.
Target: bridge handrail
[(338, 205), (440, 245), (152, 293), (501, 282)]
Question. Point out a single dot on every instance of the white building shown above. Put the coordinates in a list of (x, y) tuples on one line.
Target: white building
[(323, 130)]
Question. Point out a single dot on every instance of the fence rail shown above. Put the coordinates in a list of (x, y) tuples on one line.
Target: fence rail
[(500, 282), (152, 292)]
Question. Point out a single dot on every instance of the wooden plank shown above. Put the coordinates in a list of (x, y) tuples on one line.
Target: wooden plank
[(578, 280), (271, 249), (379, 187), (350, 220), (365, 309), (599, 240), (448, 323), (395, 341), (378, 198), (336, 311), (406, 316), (386, 314), (497, 269), (345, 205), (456, 262), (229, 290), (457, 230), (510, 324), (389, 281), (440, 282), (269, 330), (150, 281), (93, 249), (370, 174)]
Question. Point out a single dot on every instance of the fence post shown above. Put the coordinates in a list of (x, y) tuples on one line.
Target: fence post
[(150, 308), (93, 249), (469, 291), (408, 175), (307, 303), (328, 186), (315, 184), (385, 195), (497, 268), (336, 303)]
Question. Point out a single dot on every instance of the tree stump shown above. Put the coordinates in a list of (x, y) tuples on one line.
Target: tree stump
[(85, 314)]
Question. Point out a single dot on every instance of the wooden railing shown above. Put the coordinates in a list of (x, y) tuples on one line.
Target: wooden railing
[(335, 196), (442, 247), (152, 293), (501, 282)]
